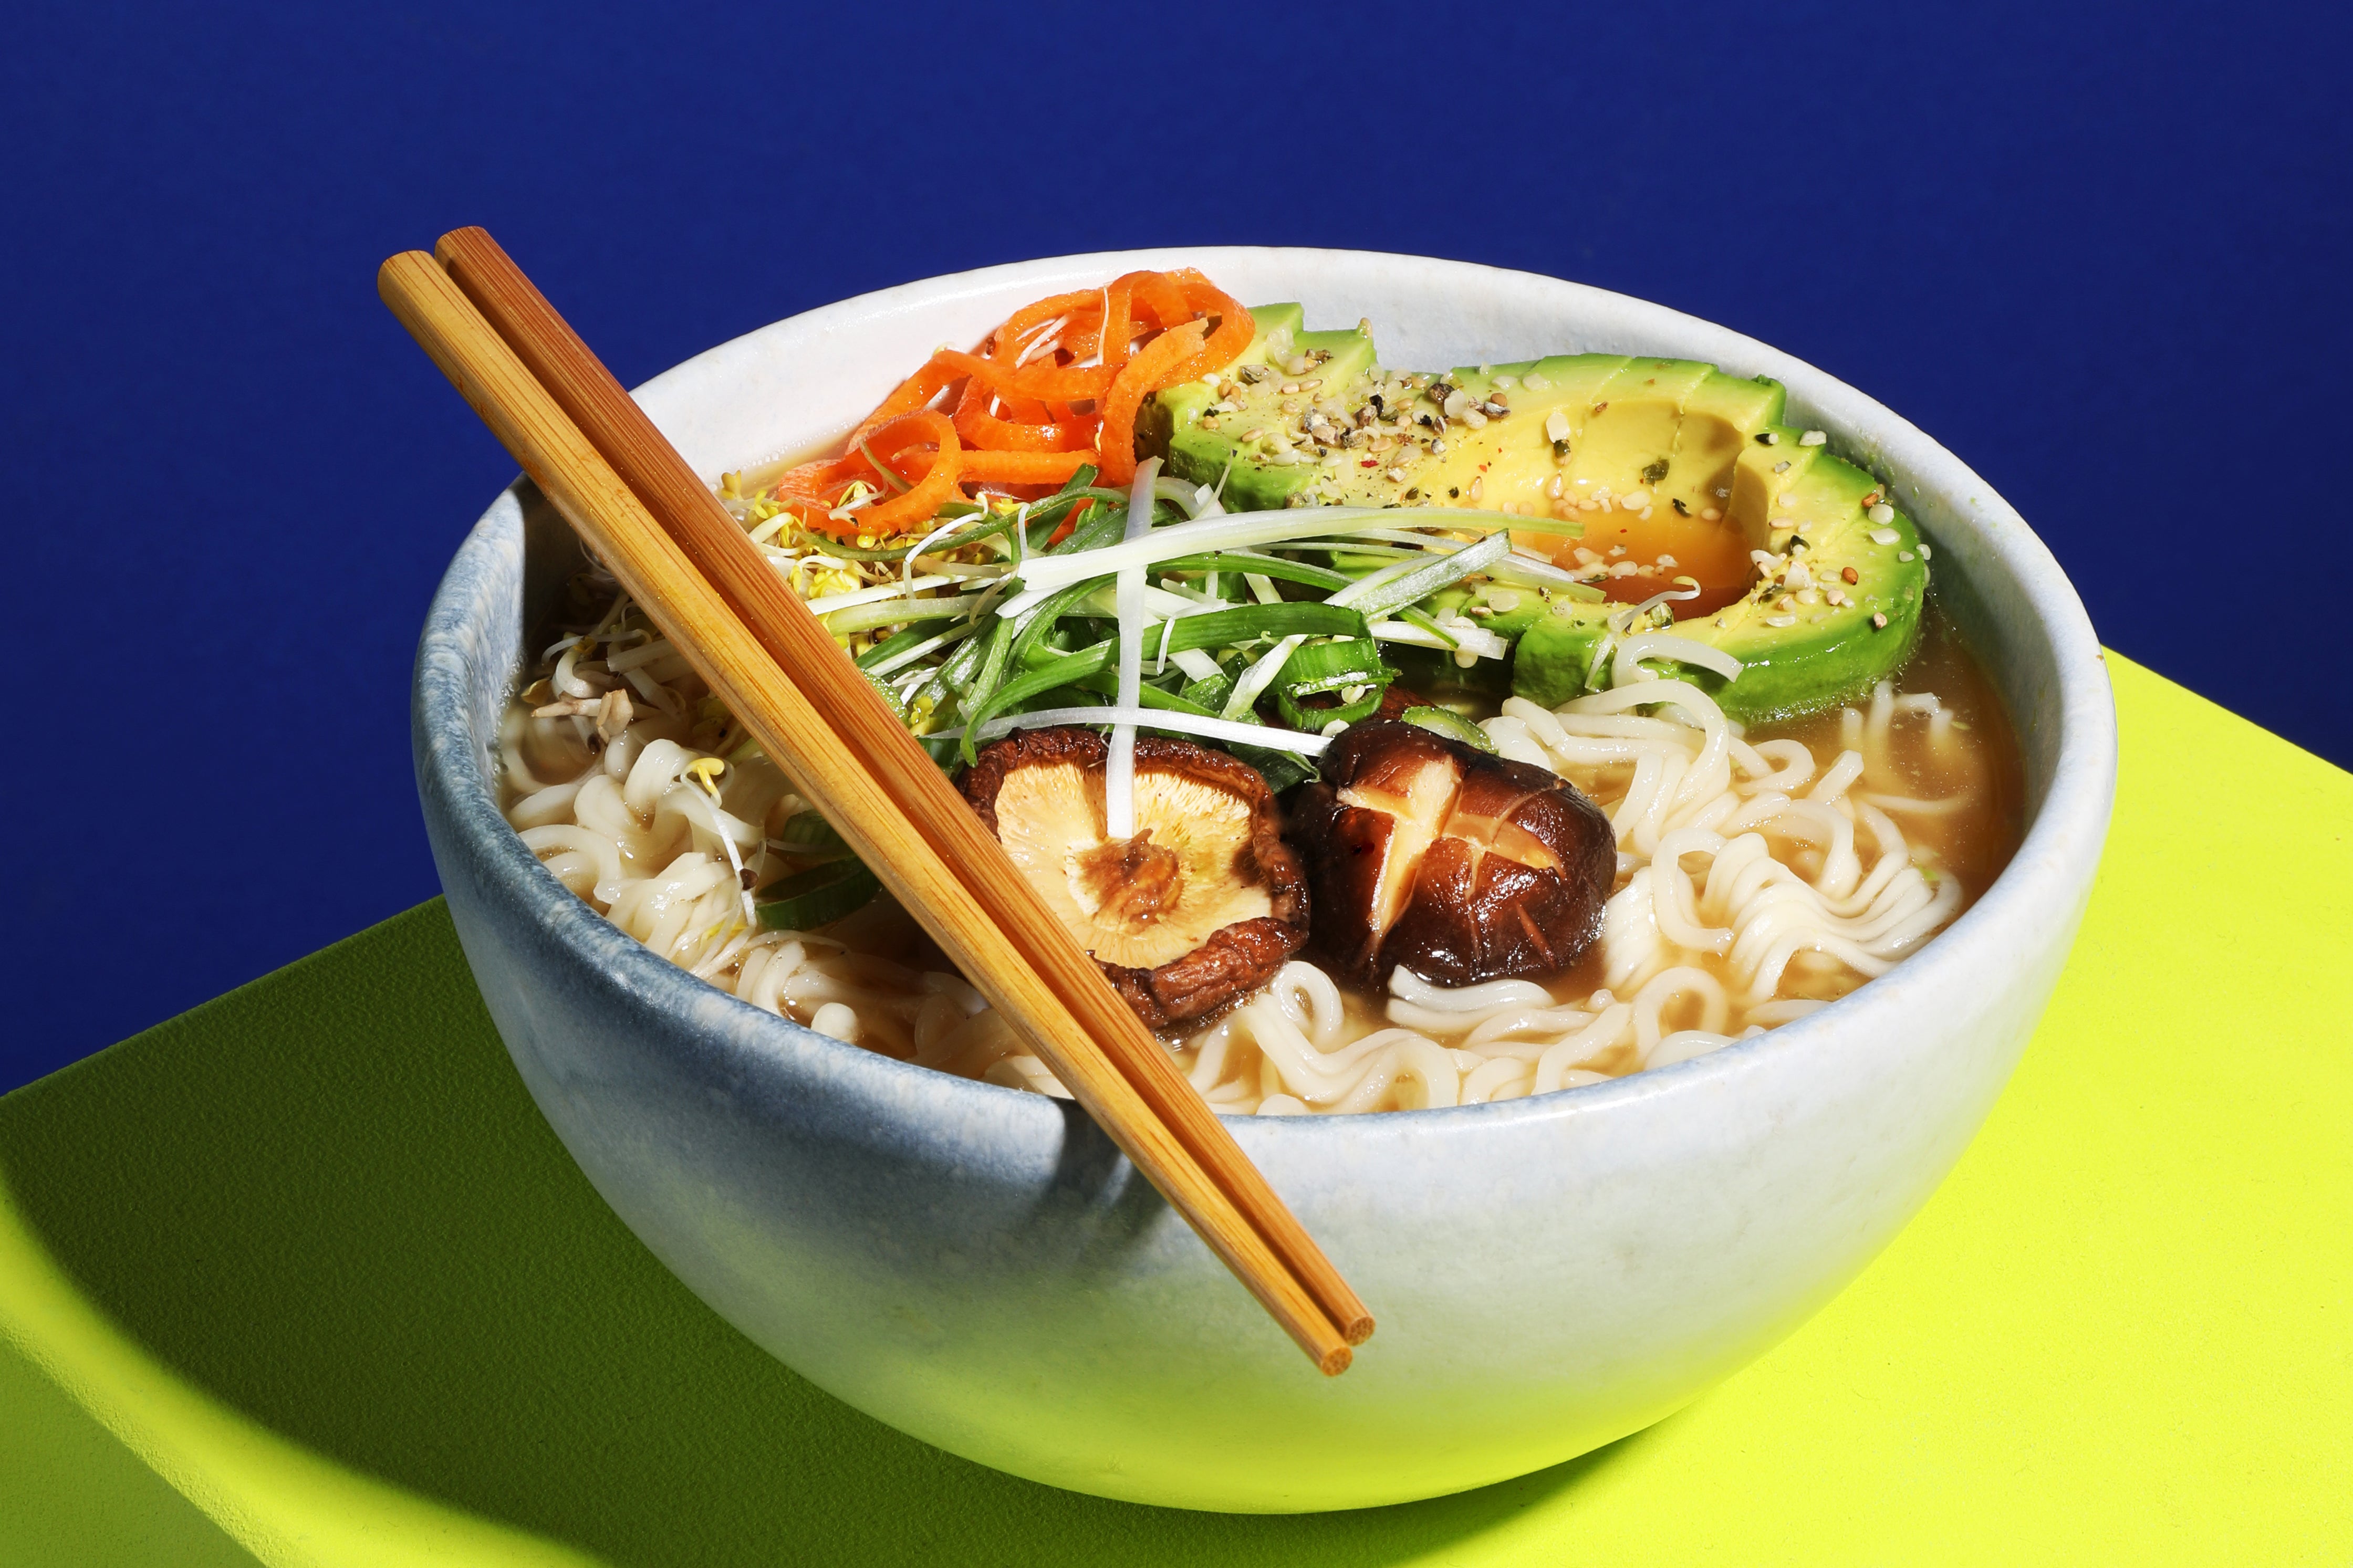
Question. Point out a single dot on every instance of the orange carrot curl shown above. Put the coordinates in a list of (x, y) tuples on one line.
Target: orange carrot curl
[(1055, 388)]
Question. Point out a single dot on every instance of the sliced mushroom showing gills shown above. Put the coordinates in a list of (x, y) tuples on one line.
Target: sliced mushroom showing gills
[(1457, 864), (1200, 908)]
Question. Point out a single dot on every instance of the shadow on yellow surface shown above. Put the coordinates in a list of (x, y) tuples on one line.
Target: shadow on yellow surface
[(310, 1254), (326, 1202)]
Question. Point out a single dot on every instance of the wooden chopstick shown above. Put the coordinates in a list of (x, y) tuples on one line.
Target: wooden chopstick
[(716, 544), (851, 758)]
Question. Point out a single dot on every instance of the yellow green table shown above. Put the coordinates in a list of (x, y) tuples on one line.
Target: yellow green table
[(302, 1277)]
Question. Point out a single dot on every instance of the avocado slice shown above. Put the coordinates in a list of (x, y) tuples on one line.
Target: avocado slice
[(1797, 654), (1247, 433), (1602, 430)]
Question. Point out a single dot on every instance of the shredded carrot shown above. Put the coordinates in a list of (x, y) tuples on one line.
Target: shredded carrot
[(1027, 468), (1024, 432), (1147, 372), (1055, 388)]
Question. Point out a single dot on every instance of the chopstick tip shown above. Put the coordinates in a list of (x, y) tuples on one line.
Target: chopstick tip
[(396, 267), (446, 249), (1336, 1361)]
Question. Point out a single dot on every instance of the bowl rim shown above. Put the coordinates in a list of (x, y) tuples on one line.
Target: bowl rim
[(2043, 871)]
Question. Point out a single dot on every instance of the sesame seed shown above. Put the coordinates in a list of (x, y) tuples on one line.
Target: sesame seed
[(1617, 550), (1556, 426), (1396, 476), (1812, 438), (1536, 381), (1881, 512), (1668, 561), (1635, 499), (1710, 514), (1835, 596), (1477, 487), (1767, 438), (1780, 620), (1884, 536), (1506, 600), (1553, 488), (1879, 620), (1903, 555), (1925, 551), (1474, 418), (1851, 574), (1782, 466)]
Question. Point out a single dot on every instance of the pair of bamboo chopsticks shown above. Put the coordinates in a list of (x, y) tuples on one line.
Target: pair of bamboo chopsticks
[(686, 561)]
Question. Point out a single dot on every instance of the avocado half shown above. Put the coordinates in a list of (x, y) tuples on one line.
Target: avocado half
[(1272, 430)]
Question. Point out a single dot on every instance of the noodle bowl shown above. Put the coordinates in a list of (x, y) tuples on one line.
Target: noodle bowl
[(982, 1270)]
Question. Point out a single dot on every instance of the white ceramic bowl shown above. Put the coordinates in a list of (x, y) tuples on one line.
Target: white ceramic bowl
[(979, 1268)]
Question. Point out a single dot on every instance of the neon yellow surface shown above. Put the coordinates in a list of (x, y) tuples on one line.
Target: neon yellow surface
[(301, 1278)]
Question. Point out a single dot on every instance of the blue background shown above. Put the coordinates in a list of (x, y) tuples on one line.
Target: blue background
[(2100, 253)]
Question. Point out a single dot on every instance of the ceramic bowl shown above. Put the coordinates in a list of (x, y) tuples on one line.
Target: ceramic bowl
[(980, 1267)]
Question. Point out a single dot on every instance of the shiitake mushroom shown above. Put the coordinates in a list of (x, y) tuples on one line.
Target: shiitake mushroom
[(1461, 866), (1200, 908)]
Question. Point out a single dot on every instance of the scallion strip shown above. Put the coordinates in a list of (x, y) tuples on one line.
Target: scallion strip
[(1218, 628), (1373, 597), (898, 612), (819, 896), (1180, 723), (1329, 665), (1119, 765), (1243, 530)]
